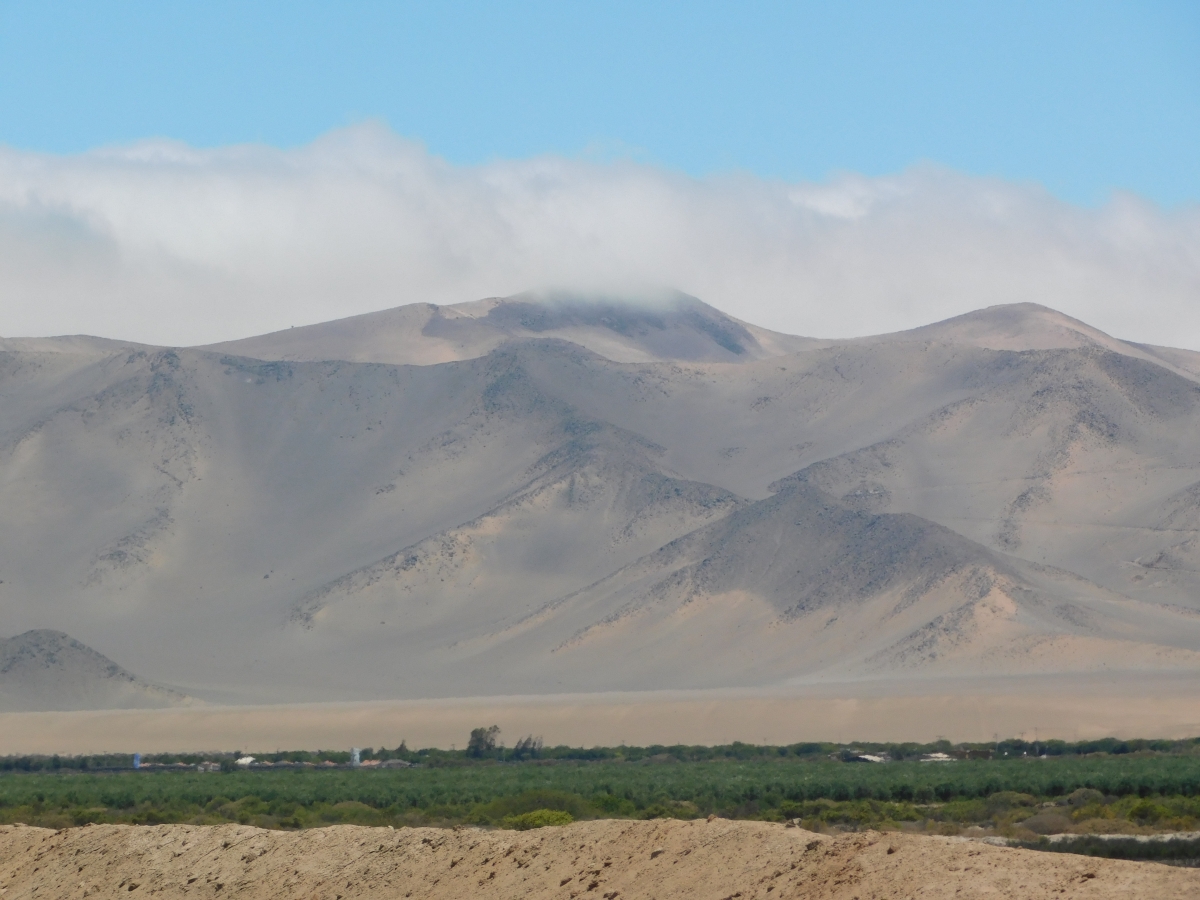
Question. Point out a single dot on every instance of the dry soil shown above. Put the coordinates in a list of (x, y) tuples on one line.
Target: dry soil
[(609, 859)]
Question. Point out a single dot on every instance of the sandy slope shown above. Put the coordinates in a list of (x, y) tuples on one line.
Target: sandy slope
[(49, 670), (598, 497), (609, 859)]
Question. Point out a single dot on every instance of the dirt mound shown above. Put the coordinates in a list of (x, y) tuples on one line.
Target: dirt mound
[(610, 859)]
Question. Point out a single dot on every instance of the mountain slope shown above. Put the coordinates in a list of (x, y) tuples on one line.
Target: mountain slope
[(45, 669), (1031, 326), (1010, 491), (591, 506), (799, 586), (1082, 450)]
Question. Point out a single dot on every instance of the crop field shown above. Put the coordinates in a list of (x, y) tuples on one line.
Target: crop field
[(1143, 787)]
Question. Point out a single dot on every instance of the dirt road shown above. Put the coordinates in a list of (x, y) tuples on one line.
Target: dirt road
[(591, 860)]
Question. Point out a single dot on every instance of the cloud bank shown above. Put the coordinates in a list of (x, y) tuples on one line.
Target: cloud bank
[(166, 244)]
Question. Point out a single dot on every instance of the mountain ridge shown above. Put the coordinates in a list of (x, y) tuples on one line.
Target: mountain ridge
[(591, 494), (676, 327)]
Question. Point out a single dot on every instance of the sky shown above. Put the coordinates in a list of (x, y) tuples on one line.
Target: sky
[(193, 171)]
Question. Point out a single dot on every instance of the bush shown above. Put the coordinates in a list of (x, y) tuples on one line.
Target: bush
[(1084, 797), (504, 808), (538, 818), (1145, 813), (1047, 822)]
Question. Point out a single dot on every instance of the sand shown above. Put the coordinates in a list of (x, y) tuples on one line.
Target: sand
[(610, 859), (1032, 708)]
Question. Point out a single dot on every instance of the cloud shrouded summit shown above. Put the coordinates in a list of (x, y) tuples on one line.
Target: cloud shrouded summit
[(163, 243)]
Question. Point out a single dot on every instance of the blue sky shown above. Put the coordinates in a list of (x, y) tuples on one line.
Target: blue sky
[(1082, 98), (183, 172)]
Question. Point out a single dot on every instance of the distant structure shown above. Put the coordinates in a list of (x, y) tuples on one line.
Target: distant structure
[(137, 760), (937, 758), (355, 756)]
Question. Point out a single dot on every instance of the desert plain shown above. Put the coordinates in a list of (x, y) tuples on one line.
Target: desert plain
[(1046, 709)]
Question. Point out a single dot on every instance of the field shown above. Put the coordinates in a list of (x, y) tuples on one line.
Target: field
[(1096, 788)]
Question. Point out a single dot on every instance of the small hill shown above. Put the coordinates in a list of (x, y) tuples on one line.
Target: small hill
[(1012, 326), (50, 670), (1030, 326)]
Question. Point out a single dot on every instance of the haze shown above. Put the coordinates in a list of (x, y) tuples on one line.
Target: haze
[(165, 244)]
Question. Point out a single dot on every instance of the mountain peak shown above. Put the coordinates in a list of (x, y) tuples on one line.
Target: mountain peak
[(667, 326), (1014, 326)]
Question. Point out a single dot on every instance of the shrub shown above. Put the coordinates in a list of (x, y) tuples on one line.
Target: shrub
[(1145, 812), (1084, 797), (504, 808), (538, 818), (1047, 822)]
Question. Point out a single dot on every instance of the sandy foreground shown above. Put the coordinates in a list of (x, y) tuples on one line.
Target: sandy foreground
[(720, 859), (1032, 708)]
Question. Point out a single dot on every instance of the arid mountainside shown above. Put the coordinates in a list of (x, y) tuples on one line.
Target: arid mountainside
[(44, 670), (660, 859), (665, 327), (549, 494)]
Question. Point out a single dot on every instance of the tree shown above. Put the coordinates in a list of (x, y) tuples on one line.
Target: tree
[(527, 747), (483, 741)]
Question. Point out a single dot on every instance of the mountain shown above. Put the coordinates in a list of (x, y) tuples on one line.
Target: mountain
[(554, 493), (670, 326), (41, 670), (1030, 326)]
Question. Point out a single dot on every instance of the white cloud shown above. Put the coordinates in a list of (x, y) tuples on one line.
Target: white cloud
[(164, 243)]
